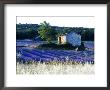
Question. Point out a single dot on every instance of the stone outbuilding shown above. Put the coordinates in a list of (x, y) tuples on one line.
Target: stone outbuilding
[(72, 38)]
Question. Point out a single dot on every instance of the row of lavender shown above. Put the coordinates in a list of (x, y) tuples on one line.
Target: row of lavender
[(27, 54), (88, 44)]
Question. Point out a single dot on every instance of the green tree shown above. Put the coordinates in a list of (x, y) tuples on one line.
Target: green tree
[(46, 32)]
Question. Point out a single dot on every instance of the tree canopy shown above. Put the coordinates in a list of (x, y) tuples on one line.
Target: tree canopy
[(46, 32)]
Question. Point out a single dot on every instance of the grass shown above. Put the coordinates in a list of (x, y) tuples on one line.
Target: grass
[(54, 68)]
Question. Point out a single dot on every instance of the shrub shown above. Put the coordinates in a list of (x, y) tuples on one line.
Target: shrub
[(56, 46), (81, 47)]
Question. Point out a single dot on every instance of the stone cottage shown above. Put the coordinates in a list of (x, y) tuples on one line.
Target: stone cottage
[(72, 38)]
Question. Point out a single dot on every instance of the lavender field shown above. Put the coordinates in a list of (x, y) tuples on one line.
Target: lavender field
[(34, 61)]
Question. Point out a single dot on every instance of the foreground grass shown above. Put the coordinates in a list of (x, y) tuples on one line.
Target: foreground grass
[(54, 68)]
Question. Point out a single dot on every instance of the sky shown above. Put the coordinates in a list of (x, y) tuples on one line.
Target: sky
[(71, 21)]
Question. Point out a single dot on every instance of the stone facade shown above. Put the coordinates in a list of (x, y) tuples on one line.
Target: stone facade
[(71, 38), (62, 39)]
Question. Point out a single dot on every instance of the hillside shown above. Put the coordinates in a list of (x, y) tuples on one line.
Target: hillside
[(30, 31)]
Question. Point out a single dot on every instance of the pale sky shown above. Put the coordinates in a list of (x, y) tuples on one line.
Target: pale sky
[(71, 21)]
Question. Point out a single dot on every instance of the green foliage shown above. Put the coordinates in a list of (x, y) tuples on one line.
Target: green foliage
[(88, 35), (53, 46), (46, 32), (66, 46), (26, 34), (49, 33)]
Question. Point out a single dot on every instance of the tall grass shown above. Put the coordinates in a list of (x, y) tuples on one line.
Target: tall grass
[(54, 67)]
